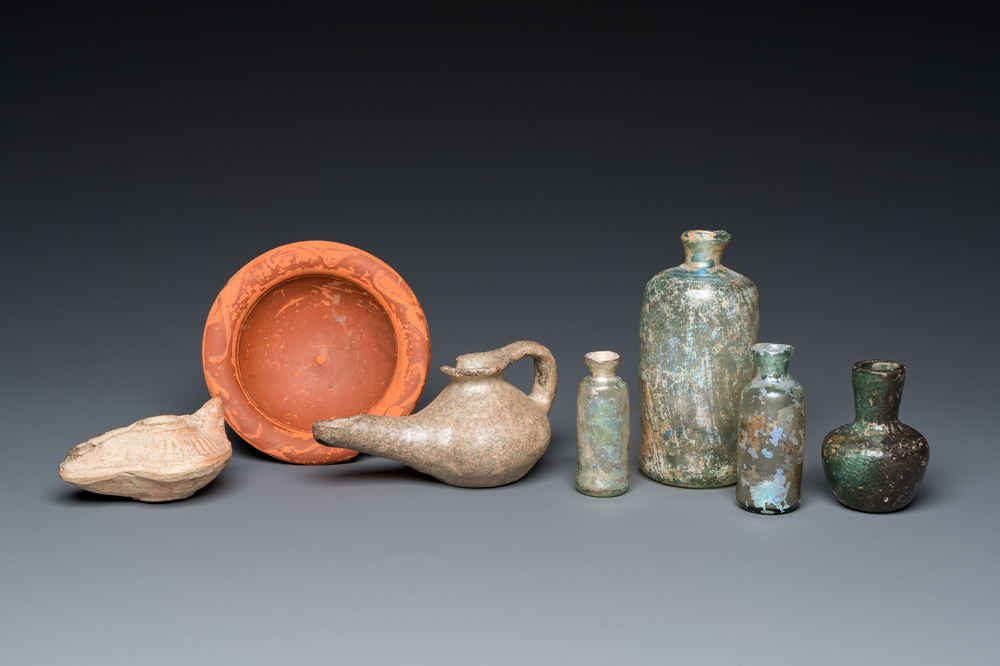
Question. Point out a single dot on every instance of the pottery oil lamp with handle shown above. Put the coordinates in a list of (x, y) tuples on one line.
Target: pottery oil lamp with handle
[(479, 432)]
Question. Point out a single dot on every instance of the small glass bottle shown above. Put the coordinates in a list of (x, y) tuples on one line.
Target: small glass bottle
[(876, 463), (602, 428), (772, 435)]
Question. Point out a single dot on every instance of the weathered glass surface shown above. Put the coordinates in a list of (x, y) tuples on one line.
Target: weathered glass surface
[(772, 435), (698, 323), (602, 428), (875, 463)]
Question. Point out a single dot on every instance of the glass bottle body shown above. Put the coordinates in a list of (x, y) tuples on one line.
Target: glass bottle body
[(771, 442), (602, 428), (875, 463), (698, 323)]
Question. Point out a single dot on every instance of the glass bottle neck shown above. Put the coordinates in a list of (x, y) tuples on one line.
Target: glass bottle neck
[(877, 391), (772, 359), (707, 259), (772, 366), (703, 249), (602, 364)]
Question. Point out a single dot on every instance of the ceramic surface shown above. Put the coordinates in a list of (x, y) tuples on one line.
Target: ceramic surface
[(157, 459), (698, 323), (308, 331), (875, 463), (479, 432)]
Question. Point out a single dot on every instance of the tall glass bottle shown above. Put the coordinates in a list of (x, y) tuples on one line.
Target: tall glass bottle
[(698, 323), (772, 435), (602, 428)]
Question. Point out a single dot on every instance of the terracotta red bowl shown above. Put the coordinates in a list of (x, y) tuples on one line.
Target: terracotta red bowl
[(312, 331)]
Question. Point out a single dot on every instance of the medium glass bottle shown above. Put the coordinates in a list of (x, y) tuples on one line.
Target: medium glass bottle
[(602, 428), (698, 323), (772, 435), (876, 463)]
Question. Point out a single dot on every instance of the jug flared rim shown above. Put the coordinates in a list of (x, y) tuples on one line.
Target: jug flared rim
[(469, 372)]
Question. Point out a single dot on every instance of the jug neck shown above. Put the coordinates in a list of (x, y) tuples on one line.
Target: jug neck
[(878, 388), (703, 249), (602, 364), (772, 359), (475, 378)]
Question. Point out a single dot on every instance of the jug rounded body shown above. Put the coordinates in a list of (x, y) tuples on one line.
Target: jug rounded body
[(479, 432)]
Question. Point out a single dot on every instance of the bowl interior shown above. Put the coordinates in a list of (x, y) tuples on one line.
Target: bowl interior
[(315, 347)]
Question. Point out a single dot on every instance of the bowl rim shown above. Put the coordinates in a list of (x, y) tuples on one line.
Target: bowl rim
[(297, 260)]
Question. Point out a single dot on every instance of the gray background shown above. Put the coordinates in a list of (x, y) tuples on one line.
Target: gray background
[(526, 174)]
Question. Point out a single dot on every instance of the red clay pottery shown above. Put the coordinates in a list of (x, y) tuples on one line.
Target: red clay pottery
[(159, 459), (308, 331), (478, 433)]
